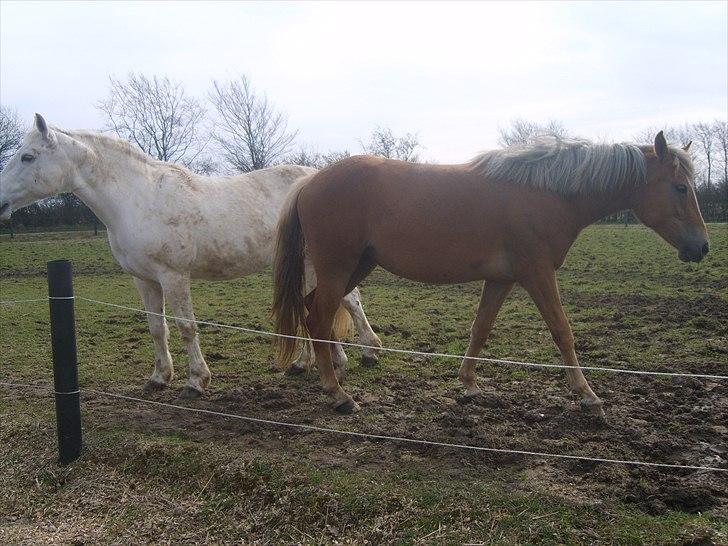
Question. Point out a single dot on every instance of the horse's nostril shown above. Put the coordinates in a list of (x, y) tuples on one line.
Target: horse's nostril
[(706, 248)]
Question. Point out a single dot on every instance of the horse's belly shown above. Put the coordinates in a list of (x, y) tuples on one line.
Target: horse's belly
[(446, 268), (217, 265)]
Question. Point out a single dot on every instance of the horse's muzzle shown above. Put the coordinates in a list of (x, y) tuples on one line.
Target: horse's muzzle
[(694, 253)]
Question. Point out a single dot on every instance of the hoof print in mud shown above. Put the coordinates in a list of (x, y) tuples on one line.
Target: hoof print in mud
[(188, 393)]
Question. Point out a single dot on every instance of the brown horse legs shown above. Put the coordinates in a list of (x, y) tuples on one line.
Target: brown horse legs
[(545, 293), (320, 320), (491, 301)]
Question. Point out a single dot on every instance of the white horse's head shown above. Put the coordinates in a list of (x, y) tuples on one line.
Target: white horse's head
[(45, 165)]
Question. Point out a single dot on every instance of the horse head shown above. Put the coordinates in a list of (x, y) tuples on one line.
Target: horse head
[(666, 202), (46, 164)]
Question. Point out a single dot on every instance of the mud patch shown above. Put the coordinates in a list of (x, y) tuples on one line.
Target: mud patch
[(681, 423)]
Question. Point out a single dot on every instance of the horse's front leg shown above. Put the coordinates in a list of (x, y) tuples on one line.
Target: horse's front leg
[(176, 289), (151, 293), (491, 300), (544, 290), (352, 303)]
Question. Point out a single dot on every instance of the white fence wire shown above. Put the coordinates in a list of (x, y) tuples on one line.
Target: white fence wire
[(368, 436), (385, 349), (365, 435)]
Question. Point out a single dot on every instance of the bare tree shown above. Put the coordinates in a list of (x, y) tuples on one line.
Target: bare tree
[(11, 134), (382, 142), (704, 134), (678, 135), (157, 115), (251, 132), (720, 130), (204, 165), (305, 156), (522, 131), (334, 156), (310, 157)]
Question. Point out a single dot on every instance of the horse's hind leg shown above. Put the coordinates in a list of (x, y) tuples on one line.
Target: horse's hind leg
[(151, 293), (491, 300), (544, 291), (306, 357), (177, 293), (352, 303), (320, 320)]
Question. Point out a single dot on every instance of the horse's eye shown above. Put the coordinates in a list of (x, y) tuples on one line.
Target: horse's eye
[(27, 158), (681, 188)]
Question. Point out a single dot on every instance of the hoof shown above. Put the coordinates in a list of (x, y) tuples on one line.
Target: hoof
[(472, 392), (153, 386), (594, 408), (294, 369), (369, 361), (347, 406), (469, 398), (189, 393)]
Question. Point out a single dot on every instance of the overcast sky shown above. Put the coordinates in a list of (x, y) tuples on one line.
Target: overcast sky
[(452, 73)]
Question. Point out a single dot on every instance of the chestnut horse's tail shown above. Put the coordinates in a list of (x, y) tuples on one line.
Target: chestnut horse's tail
[(289, 310)]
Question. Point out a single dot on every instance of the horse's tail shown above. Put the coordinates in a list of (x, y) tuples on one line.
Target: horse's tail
[(343, 325), (289, 309)]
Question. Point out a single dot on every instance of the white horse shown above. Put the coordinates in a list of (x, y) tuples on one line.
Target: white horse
[(165, 226)]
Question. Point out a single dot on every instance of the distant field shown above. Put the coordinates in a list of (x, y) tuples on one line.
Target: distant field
[(162, 475)]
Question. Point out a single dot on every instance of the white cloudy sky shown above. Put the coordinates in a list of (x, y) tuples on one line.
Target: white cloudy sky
[(451, 72)]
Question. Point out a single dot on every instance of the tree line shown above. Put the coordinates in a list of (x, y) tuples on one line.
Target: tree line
[(236, 129)]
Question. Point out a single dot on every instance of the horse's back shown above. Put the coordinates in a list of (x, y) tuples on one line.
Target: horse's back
[(423, 221)]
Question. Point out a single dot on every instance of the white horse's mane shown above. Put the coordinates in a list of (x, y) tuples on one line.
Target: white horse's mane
[(573, 166), (114, 143)]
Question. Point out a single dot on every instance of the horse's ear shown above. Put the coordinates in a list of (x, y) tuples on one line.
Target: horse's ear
[(42, 126), (687, 146), (661, 146)]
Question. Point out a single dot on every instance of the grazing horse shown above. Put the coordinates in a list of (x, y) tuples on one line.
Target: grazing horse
[(508, 216), (165, 226)]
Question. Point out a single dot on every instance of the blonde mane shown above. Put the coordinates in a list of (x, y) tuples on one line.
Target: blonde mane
[(572, 166)]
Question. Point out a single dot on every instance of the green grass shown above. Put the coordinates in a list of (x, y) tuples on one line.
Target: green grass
[(152, 474)]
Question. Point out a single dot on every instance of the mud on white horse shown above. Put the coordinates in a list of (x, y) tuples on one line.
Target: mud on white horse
[(166, 225)]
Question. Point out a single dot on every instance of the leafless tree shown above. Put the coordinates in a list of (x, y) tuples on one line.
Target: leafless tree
[(522, 131), (250, 131), (204, 165), (310, 157), (11, 134), (704, 134), (305, 156), (382, 142), (334, 156), (157, 115), (720, 130), (678, 135)]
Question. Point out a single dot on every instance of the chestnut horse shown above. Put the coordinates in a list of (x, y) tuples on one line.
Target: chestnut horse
[(509, 216)]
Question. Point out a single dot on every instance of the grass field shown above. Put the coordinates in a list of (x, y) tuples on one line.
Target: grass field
[(158, 474)]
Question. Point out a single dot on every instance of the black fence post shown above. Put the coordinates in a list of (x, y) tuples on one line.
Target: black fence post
[(65, 365)]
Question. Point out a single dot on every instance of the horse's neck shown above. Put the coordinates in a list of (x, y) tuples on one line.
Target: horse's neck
[(110, 181), (592, 208)]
